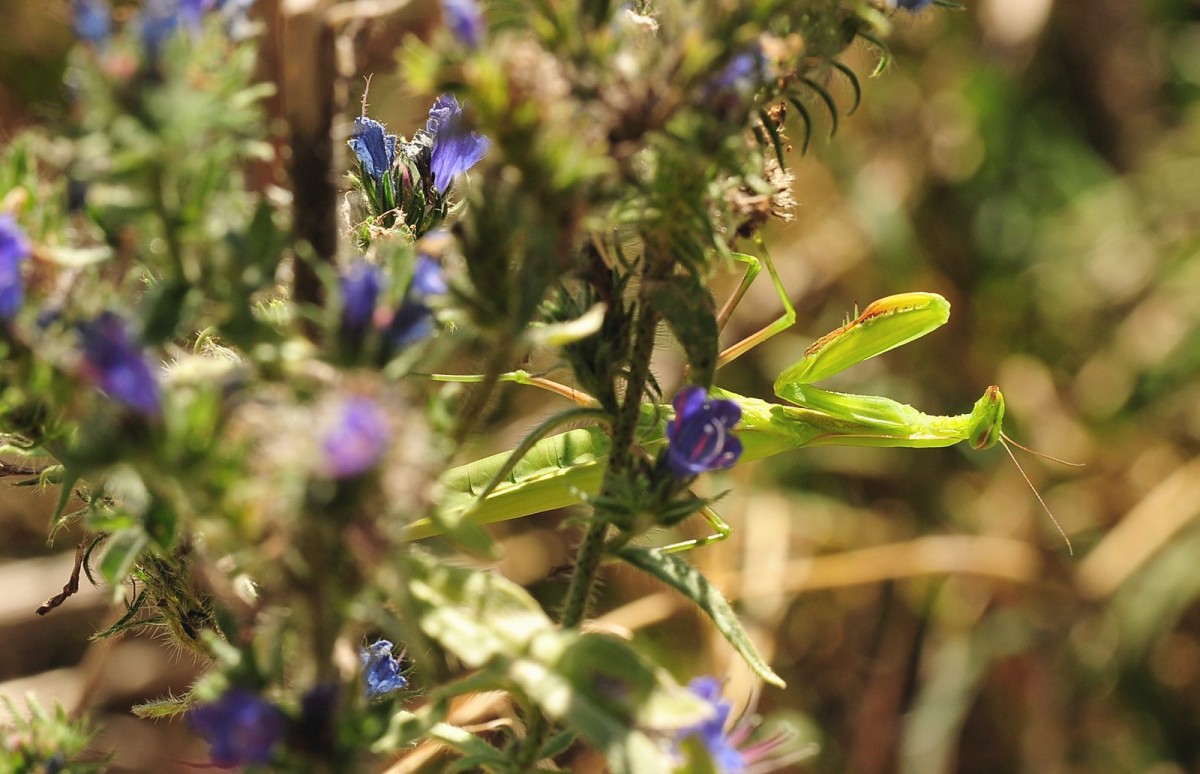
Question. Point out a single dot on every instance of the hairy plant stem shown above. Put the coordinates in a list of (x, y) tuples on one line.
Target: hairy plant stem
[(591, 549), (620, 460)]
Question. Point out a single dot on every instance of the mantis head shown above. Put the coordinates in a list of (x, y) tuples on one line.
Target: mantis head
[(985, 420)]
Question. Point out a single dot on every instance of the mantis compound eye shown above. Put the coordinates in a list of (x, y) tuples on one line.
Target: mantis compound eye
[(983, 429)]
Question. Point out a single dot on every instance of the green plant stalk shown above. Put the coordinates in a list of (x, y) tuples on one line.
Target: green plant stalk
[(591, 549)]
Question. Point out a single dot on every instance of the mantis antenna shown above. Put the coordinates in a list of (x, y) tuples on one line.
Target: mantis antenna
[(1007, 443)]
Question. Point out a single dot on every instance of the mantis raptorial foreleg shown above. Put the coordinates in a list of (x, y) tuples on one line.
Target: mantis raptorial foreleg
[(754, 266), (722, 531), (785, 321)]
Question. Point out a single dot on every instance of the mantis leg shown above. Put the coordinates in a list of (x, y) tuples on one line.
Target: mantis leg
[(522, 377), (785, 321), (721, 531)]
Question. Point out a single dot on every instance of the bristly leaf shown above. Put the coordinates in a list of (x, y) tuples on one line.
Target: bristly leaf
[(690, 582), (687, 307), (885, 53), (167, 707), (846, 71), (807, 119), (772, 131), (827, 99)]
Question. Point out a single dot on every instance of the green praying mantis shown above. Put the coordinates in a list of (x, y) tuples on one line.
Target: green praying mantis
[(562, 469)]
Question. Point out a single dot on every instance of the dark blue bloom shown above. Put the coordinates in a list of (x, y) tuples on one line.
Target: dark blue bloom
[(742, 72), (117, 365), (428, 279), (93, 21), (732, 88), (14, 250), (374, 147), (360, 290), (721, 747), (413, 321), (913, 5), (160, 19), (191, 11), (700, 438), (317, 726), (241, 727), (381, 670), (464, 20), (358, 439), (455, 150)]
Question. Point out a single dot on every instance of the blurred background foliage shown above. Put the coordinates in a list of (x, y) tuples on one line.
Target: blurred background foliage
[(1038, 163)]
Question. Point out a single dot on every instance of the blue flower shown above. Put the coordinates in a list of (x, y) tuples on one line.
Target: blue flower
[(316, 729), (360, 290), (161, 18), (93, 20), (700, 438), (117, 365), (455, 150), (374, 147), (14, 250), (727, 747), (358, 439), (732, 88), (241, 728), (413, 321), (381, 670), (743, 73), (722, 749), (428, 279), (464, 20), (912, 5)]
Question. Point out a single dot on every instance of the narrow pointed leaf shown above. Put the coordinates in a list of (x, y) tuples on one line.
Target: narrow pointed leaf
[(690, 582)]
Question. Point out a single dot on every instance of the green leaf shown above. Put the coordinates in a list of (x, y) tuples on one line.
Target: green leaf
[(601, 702), (597, 685), (690, 582), (124, 549), (557, 744), (162, 309), (478, 753), (475, 615), (687, 307)]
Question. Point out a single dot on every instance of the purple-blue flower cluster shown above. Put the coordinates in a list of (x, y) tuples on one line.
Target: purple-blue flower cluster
[(92, 21), (375, 149), (363, 283), (413, 321), (357, 440), (700, 438), (241, 728), (382, 672), (912, 5), (14, 251), (727, 746), (160, 19), (455, 150), (116, 363), (464, 19), (722, 749), (412, 178)]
